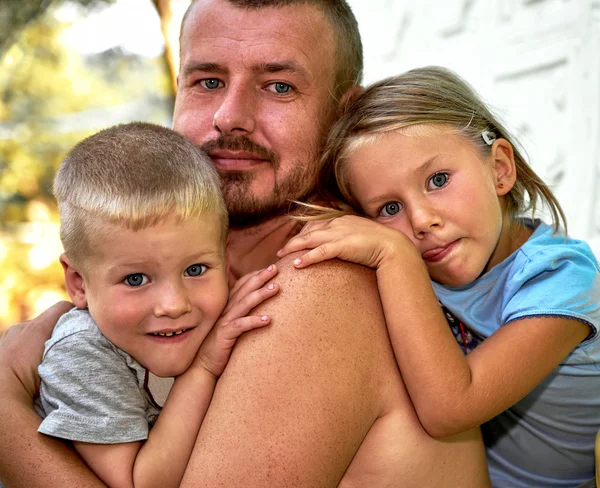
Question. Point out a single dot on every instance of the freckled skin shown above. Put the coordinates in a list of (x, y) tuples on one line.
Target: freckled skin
[(315, 399), (319, 401)]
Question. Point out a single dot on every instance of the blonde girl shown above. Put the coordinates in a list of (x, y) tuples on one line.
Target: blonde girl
[(421, 154)]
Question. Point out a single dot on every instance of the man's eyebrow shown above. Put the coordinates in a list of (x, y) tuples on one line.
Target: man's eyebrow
[(279, 67), (192, 67)]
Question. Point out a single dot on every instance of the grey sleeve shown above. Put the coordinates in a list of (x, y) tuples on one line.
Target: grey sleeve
[(89, 394)]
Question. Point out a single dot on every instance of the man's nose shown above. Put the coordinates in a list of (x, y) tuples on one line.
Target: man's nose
[(172, 301), (237, 112), (424, 218)]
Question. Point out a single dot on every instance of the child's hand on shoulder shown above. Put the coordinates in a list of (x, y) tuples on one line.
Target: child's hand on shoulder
[(351, 238), (247, 293)]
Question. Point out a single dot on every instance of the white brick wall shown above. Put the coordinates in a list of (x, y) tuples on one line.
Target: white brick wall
[(537, 62)]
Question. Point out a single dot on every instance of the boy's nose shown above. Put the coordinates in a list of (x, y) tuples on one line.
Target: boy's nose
[(172, 301)]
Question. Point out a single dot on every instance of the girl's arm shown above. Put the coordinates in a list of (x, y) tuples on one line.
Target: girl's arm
[(162, 459), (451, 392)]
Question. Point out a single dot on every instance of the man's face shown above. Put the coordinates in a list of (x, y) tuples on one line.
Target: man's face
[(254, 92)]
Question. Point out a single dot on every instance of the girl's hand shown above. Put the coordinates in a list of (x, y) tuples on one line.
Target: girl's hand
[(351, 238), (247, 293)]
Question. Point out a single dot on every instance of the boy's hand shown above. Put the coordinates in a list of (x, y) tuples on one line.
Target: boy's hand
[(351, 238), (247, 293)]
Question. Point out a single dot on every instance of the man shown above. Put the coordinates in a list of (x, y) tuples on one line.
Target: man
[(315, 399)]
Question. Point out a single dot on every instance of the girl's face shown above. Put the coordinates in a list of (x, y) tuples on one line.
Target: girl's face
[(432, 185)]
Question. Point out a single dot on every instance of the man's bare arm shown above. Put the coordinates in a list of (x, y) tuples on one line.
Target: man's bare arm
[(297, 400), (29, 459)]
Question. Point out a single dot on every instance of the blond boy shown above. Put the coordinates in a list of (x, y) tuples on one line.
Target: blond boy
[(144, 228)]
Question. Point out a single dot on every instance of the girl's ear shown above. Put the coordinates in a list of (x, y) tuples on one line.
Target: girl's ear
[(74, 282), (503, 166)]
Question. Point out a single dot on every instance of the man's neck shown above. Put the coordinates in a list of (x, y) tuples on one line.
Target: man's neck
[(255, 247)]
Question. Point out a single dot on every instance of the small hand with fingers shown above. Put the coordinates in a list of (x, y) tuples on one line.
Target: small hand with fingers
[(351, 238), (247, 293)]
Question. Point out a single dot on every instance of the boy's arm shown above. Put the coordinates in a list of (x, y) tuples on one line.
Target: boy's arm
[(28, 458), (298, 398), (163, 458)]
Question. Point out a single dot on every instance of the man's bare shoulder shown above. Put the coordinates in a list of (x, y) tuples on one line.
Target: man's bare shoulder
[(299, 396), (332, 283)]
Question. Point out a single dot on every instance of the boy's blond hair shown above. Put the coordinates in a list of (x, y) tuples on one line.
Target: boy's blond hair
[(133, 176)]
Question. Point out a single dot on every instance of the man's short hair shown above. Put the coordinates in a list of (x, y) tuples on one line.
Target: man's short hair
[(349, 51), (132, 175)]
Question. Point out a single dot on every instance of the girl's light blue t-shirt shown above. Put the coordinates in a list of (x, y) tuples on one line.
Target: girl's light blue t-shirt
[(546, 439)]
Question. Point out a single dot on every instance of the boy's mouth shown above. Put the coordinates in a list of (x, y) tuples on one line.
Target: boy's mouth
[(168, 334)]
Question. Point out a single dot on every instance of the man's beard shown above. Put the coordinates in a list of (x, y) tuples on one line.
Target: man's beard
[(243, 207)]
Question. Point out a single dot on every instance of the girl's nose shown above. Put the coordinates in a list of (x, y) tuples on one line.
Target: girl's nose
[(424, 219)]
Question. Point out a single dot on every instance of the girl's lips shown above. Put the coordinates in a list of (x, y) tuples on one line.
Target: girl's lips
[(439, 253)]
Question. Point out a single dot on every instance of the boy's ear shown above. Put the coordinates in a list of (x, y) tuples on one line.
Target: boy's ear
[(504, 167), (74, 283)]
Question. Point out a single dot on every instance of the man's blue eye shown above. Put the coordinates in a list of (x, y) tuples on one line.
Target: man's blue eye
[(211, 83), (390, 209), (137, 279), (195, 270), (439, 180), (282, 88)]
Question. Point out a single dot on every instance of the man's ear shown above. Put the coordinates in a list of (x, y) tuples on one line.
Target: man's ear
[(503, 166), (348, 97), (74, 282)]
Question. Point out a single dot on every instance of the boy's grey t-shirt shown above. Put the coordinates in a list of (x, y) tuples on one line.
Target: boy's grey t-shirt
[(92, 391)]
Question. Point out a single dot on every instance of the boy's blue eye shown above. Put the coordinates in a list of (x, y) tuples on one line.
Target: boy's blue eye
[(439, 180), (390, 209), (195, 270), (137, 279)]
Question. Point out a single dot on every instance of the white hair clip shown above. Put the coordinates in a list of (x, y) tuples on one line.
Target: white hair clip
[(489, 137)]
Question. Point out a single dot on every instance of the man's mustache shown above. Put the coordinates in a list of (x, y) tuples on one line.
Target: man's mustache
[(241, 143)]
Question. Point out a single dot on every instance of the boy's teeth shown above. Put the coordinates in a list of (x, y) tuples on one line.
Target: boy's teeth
[(169, 334)]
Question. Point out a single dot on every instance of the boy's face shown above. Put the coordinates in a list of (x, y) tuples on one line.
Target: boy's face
[(168, 279)]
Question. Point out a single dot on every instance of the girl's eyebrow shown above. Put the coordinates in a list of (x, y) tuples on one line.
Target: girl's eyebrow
[(424, 168)]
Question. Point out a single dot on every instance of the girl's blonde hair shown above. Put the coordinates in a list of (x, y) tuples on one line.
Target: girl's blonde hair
[(132, 175), (430, 95)]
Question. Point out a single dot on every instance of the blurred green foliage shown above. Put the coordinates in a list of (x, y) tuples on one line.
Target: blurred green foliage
[(50, 98)]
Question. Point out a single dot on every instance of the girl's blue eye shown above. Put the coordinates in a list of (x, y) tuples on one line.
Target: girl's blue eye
[(195, 270), (390, 209), (135, 280), (211, 83), (439, 180)]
